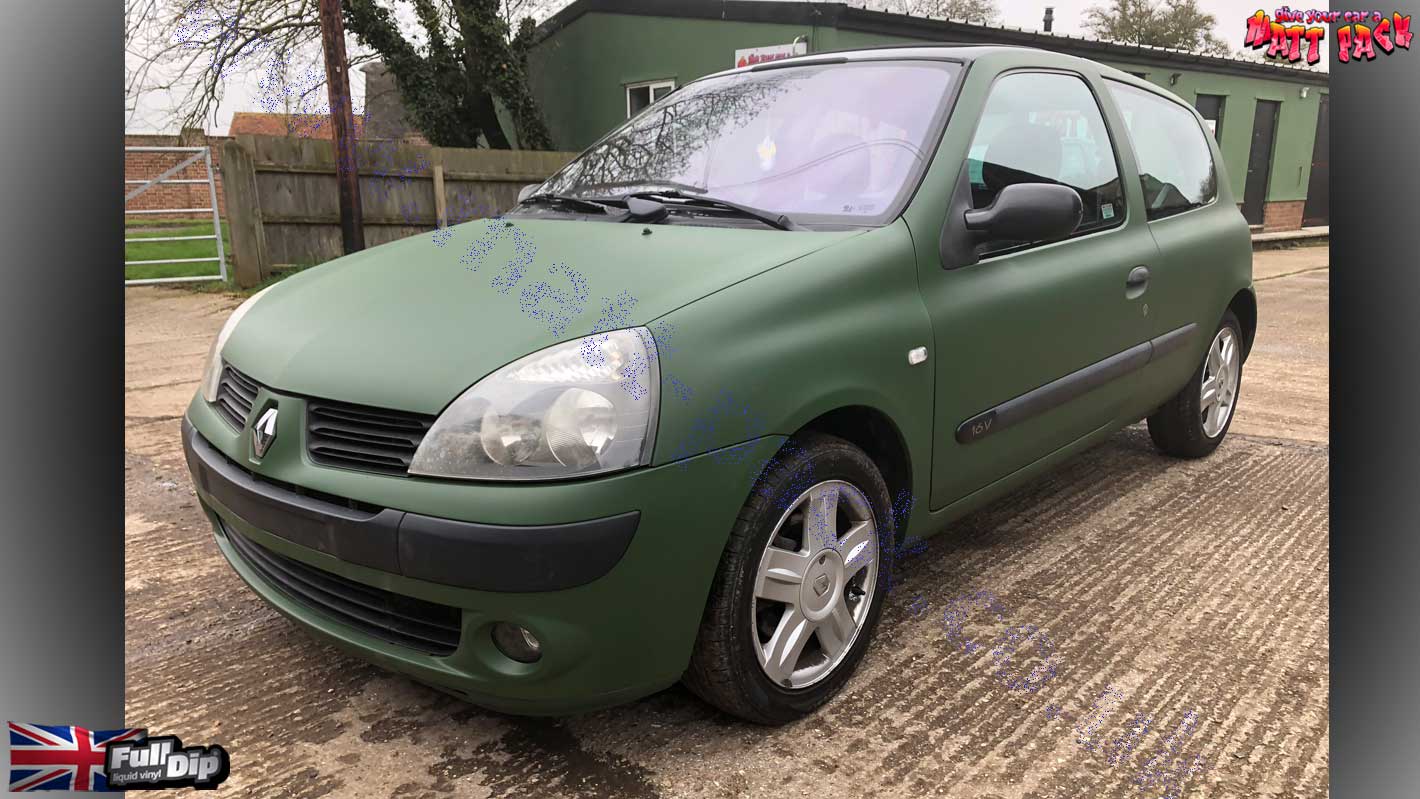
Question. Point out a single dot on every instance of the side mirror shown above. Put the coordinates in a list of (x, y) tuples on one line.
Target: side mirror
[(527, 191), (1027, 212)]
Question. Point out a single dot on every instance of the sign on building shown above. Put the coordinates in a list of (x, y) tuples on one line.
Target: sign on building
[(774, 52)]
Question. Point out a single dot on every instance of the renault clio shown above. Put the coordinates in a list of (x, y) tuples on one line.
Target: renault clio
[(668, 417)]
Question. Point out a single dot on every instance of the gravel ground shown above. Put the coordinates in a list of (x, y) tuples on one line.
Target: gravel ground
[(1194, 592)]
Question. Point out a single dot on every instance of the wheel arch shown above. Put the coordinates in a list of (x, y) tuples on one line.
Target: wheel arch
[(873, 431), (1244, 307)]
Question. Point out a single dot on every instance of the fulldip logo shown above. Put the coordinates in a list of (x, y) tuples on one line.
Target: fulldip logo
[(162, 762)]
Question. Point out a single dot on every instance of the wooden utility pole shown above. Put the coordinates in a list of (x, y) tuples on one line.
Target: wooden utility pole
[(337, 78)]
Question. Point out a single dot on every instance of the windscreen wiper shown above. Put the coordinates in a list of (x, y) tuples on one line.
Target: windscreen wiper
[(571, 202), (781, 221)]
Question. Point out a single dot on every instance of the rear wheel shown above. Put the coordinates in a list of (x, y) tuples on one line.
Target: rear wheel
[(1193, 422), (796, 596)]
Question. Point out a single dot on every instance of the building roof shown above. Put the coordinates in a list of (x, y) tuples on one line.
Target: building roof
[(846, 17), (311, 126)]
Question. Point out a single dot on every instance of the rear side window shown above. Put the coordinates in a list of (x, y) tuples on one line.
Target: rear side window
[(1175, 164)]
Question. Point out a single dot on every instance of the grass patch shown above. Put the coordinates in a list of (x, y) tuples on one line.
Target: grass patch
[(155, 228)]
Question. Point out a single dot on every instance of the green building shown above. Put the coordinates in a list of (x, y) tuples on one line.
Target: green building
[(597, 62)]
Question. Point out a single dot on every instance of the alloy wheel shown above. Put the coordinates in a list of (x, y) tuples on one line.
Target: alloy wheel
[(1219, 386), (814, 588)]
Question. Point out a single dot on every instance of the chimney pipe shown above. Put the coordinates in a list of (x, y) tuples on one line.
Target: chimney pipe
[(1049, 17)]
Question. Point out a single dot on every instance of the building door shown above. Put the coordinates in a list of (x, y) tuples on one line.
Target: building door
[(1318, 208), (1259, 160), (1210, 107)]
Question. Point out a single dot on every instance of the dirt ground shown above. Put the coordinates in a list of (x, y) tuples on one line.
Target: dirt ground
[(1196, 591)]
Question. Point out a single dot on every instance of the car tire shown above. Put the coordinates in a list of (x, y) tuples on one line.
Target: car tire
[(1187, 426), (730, 667)]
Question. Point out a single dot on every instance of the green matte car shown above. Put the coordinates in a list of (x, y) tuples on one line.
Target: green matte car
[(673, 416)]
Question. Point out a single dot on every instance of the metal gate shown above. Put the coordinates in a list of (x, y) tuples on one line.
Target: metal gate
[(204, 154)]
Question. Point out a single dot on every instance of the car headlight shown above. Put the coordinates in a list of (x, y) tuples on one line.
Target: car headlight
[(212, 370), (577, 408)]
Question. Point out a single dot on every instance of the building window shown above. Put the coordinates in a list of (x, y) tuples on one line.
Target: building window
[(641, 95), (1211, 107)]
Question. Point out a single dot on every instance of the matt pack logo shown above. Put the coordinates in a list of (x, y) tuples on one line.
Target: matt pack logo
[(45, 757), (163, 762), (1285, 32)]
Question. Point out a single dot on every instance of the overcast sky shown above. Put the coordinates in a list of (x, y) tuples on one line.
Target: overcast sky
[(243, 92)]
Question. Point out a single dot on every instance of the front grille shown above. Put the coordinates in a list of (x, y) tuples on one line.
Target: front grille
[(363, 438), (235, 394), (345, 502), (413, 623)]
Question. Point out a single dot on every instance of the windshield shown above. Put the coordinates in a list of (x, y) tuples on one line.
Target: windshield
[(835, 142)]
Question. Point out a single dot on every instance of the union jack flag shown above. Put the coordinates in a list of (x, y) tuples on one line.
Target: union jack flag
[(47, 758)]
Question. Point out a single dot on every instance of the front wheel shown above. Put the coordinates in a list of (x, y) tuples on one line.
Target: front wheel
[(1193, 422), (797, 593)]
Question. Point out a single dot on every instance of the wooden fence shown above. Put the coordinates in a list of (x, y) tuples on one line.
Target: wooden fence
[(283, 205)]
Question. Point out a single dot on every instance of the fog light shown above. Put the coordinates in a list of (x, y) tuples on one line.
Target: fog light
[(516, 642)]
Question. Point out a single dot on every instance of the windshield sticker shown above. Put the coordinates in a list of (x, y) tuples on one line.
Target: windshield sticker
[(1107, 210), (767, 150)]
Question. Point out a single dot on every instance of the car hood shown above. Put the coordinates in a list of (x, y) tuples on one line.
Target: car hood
[(409, 325)]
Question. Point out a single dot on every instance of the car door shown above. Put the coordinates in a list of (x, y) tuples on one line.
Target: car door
[(1037, 344), (1202, 238)]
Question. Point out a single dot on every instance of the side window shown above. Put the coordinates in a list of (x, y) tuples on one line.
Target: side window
[(1175, 164), (1045, 128)]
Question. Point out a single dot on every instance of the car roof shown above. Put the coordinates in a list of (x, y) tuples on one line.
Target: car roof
[(944, 51)]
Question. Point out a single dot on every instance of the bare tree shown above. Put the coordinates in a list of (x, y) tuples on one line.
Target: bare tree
[(514, 12), (1180, 24), (983, 12), (451, 60), (188, 48)]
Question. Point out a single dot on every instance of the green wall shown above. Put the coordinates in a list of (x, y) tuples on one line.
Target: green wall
[(580, 73)]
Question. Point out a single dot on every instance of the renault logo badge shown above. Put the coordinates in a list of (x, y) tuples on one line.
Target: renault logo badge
[(263, 433)]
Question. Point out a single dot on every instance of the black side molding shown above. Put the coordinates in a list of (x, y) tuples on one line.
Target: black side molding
[(1061, 390), (483, 557), (1172, 340)]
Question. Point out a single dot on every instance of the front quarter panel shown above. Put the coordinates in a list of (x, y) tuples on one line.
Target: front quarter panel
[(767, 355)]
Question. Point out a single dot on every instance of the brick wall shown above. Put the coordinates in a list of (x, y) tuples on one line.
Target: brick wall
[(143, 166), (1282, 215)]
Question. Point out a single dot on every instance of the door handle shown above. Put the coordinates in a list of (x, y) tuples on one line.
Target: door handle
[(1137, 282)]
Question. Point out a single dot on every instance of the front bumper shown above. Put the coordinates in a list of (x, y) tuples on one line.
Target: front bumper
[(615, 601)]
